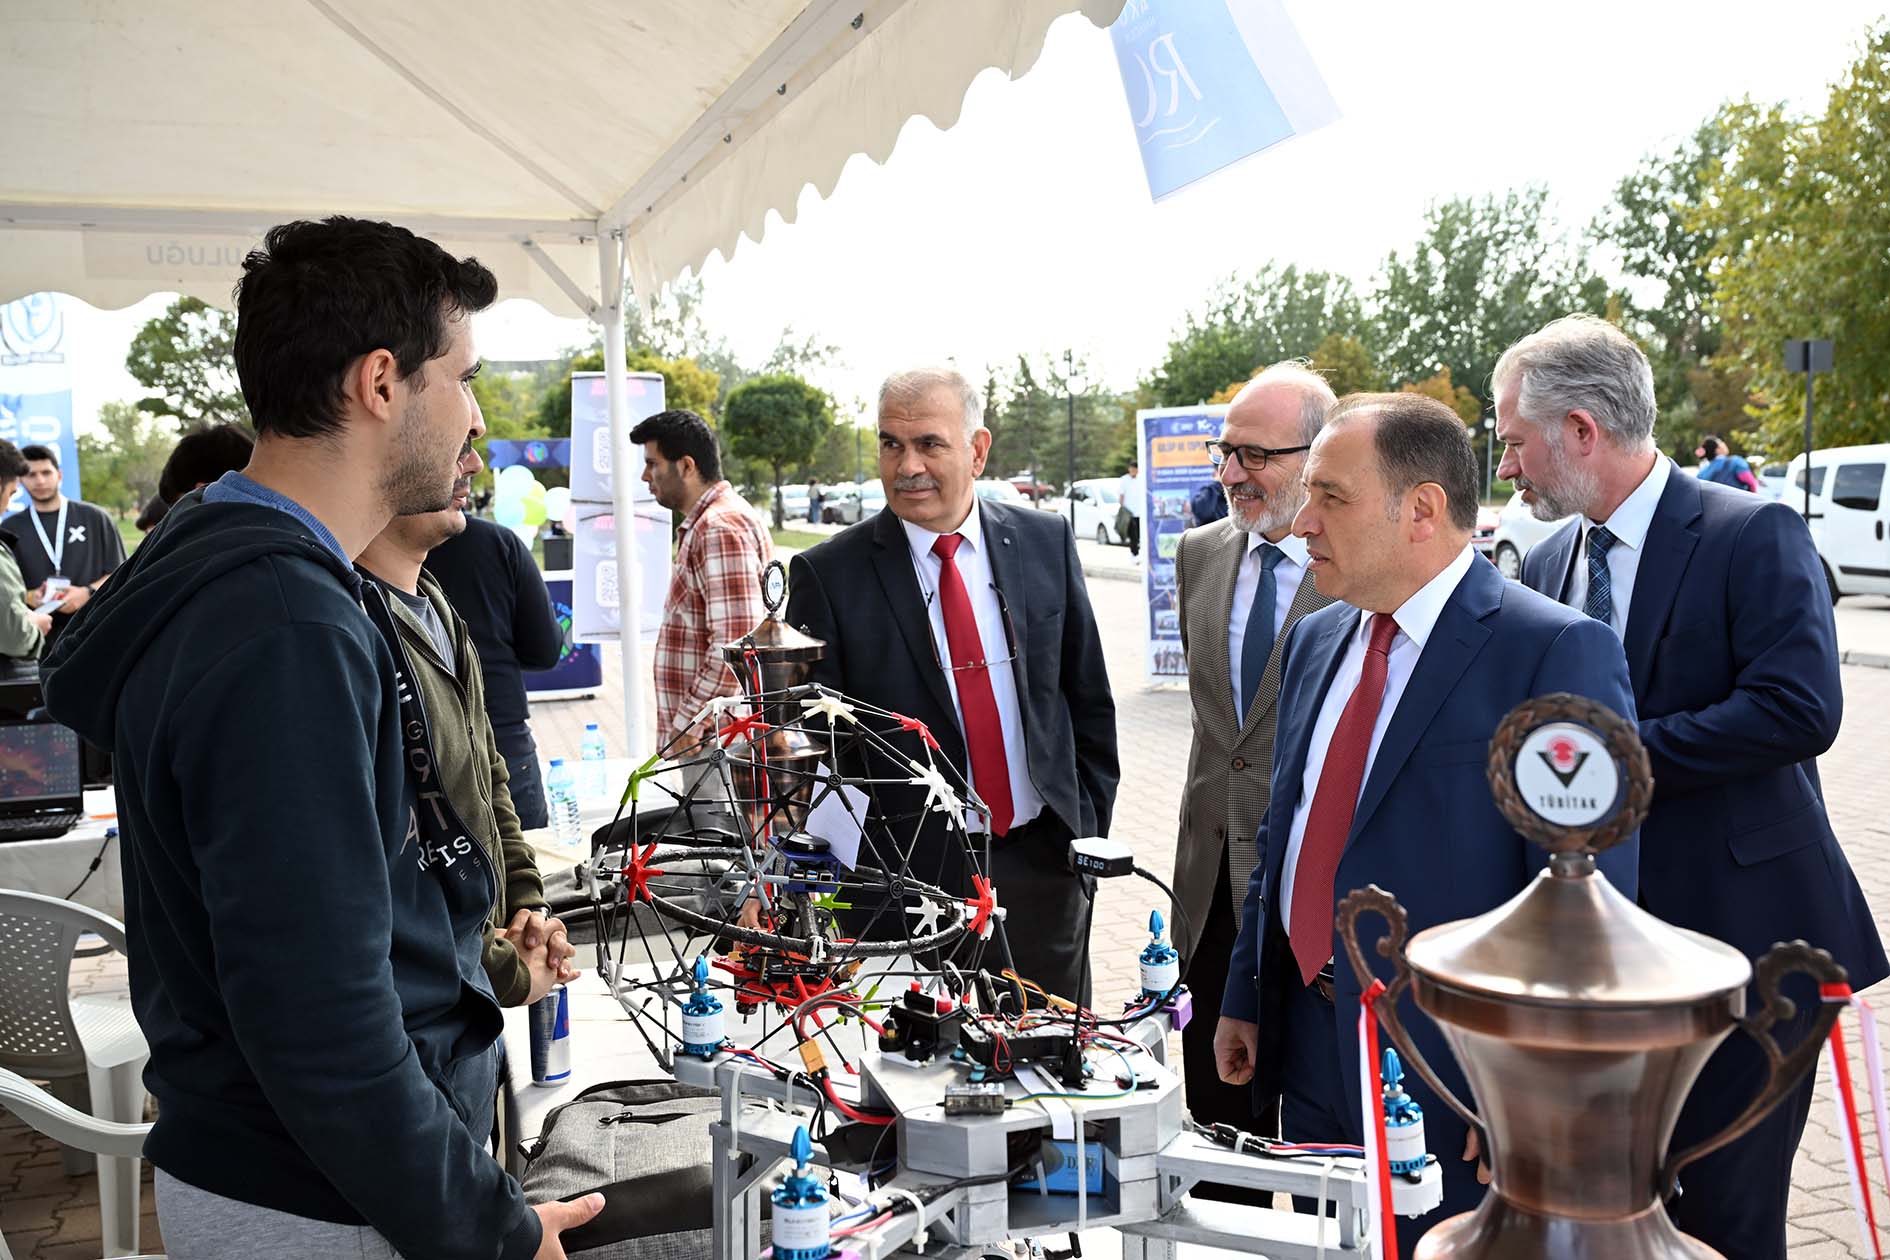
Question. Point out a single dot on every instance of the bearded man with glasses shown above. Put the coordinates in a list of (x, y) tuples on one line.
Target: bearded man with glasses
[(972, 617), (1241, 584)]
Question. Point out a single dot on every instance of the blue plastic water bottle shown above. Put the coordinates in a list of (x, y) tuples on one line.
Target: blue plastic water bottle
[(591, 785), (561, 801)]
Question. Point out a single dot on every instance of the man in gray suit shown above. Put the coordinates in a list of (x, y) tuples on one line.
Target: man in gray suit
[(1241, 583)]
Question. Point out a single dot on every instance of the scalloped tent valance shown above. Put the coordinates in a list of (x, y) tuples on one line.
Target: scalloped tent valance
[(149, 145)]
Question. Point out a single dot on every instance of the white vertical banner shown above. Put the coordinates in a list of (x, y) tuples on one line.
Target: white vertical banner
[(597, 601), (36, 385)]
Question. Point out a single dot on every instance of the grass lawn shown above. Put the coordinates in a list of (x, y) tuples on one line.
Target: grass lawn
[(796, 539)]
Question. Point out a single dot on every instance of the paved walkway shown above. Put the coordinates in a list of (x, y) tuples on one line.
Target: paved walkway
[(48, 1217)]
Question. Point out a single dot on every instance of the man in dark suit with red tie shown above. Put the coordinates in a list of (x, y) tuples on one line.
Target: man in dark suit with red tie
[(1387, 704), (1023, 709)]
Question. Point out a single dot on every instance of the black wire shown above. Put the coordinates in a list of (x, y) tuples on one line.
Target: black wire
[(1181, 916), (111, 834)]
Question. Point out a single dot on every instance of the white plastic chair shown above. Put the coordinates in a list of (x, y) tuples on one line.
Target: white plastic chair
[(89, 1049), (70, 1126)]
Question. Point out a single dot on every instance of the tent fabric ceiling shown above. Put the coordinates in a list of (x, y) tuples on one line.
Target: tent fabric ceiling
[(151, 143)]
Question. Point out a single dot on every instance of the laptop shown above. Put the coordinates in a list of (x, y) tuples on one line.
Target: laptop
[(41, 779)]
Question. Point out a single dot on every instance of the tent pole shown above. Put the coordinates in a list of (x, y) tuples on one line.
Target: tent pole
[(610, 264)]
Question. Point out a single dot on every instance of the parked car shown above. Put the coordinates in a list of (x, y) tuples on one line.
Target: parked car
[(1032, 489), (1850, 515), (872, 500), (1772, 480), (1483, 537), (794, 503), (840, 504), (1097, 501), (1517, 530), (999, 491)]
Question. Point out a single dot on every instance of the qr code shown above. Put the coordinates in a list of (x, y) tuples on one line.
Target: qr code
[(600, 450), (607, 584)]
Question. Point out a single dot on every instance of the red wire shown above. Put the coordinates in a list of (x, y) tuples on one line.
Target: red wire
[(851, 1113)]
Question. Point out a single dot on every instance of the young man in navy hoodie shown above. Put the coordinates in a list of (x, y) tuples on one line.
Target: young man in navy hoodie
[(305, 914)]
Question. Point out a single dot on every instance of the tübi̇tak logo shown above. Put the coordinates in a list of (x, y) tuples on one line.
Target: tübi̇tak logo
[(1564, 759)]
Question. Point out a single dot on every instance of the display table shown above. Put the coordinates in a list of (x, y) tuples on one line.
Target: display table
[(53, 867)]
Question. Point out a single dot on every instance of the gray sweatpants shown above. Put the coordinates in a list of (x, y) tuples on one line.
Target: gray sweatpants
[(199, 1225)]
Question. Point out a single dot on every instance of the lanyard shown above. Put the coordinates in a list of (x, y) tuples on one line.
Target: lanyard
[(444, 837), (53, 553)]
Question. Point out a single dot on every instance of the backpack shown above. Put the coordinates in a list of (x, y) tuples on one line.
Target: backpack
[(645, 1145)]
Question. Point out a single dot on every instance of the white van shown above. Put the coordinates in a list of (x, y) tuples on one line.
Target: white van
[(1850, 515)]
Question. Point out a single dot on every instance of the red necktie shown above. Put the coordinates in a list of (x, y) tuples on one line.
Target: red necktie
[(1333, 804), (977, 705)]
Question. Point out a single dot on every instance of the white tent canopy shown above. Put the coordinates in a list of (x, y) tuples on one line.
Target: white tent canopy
[(565, 142), (150, 143)]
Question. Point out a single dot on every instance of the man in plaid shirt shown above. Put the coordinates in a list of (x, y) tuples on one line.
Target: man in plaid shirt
[(715, 593)]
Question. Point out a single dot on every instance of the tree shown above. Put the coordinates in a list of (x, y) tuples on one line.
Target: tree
[(1029, 415), (1650, 224), (1460, 400), (1483, 274), (1279, 313), (122, 464), (1797, 212), (185, 357), (777, 420), (1343, 361), (1347, 365)]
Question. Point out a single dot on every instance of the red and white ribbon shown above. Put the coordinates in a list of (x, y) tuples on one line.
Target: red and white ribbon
[(1844, 1098), (1382, 1223)]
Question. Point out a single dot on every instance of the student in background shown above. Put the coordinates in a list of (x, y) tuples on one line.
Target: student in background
[(23, 630)]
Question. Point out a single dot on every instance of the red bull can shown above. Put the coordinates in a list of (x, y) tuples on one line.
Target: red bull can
[(550, 1023)]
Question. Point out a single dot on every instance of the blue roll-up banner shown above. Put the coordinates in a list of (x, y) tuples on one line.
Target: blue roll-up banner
[(36, 385), (1173, 442), (1210, 82), (528, 452), (580, 667)]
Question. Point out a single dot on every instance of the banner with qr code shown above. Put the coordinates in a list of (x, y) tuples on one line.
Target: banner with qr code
[(596, 602), (1174, 458)]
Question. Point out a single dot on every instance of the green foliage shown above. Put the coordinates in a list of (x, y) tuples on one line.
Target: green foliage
[(1666, 257), (184, 357), (1798, 215), (1347, 365), (1482, 275), (1453, 396), (1279, 313), (777, 420), (121, 465), (1029, 412)]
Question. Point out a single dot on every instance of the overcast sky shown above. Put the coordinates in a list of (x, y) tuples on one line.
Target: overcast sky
[(1028, 226)]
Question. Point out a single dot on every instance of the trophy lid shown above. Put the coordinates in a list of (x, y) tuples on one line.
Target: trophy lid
[(1573, 776), (774, 640)]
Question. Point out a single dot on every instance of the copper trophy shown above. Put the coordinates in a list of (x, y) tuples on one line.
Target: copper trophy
[(775, 764), (1580, 1019)]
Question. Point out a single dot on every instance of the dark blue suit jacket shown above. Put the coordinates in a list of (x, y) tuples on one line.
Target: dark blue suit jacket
[(1426, 829), (1733, 652)]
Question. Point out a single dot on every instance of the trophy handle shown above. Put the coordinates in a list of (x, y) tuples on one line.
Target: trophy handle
[(1391, 945), (1786, 1069)]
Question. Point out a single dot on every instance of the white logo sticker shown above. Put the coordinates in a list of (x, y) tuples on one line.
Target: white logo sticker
[(1566, 775)]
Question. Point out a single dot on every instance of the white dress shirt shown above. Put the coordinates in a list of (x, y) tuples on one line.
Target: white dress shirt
[(1416, 618), (974, 566), (1629, 525), (1287, 575)]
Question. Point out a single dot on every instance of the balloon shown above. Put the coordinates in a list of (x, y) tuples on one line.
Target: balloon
[(569, 517), (534, 513), (509, 512), (557, 499), (535, 493), (527, 534), (516, 480)]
